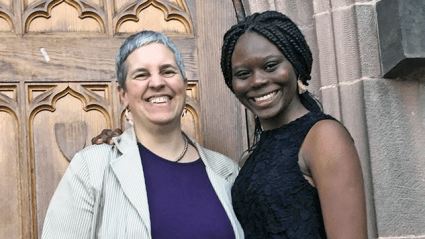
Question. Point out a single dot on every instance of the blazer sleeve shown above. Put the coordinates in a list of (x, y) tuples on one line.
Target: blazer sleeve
[(71, 208)]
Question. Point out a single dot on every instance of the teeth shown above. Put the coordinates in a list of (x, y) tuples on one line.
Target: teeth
[(157, 100), (265, 97)]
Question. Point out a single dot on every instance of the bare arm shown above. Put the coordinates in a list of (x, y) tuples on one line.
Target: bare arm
[(332, 159)]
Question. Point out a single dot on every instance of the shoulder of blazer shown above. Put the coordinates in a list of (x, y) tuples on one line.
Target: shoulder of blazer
[(96, 158), (126, 141), (222, 164), (219, 163)]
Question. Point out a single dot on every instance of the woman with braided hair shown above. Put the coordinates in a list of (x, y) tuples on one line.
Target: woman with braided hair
[(303, 177)]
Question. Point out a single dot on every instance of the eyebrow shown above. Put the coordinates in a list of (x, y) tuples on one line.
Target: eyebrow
[(265, 59), (139, 69), (235, 68), (165, 66), (168, 66)]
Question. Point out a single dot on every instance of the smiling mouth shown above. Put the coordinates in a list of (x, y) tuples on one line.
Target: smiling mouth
[(265, 97), (159, 100)]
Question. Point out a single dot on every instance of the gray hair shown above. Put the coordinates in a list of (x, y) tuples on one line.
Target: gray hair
[(138, 40)]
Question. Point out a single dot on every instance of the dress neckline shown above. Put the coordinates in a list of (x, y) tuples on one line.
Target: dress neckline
[(285, 126)]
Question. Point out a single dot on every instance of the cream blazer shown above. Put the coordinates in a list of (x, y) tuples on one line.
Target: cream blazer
[(103, 193)]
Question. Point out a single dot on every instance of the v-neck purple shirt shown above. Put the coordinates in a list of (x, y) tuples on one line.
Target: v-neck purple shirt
[(182, 201)]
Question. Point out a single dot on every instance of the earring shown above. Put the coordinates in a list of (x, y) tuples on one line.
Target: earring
[(184, 111), (301, 87), (127, 116)]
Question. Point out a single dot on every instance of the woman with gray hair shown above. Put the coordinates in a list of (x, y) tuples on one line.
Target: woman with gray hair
[(155, 181)]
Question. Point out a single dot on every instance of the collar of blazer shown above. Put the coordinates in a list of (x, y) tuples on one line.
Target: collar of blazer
[(220, 164)]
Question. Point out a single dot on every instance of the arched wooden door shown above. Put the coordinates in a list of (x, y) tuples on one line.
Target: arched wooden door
[(58, 89)]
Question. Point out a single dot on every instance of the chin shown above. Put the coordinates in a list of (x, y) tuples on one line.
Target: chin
[(166, 120), (268, 114)]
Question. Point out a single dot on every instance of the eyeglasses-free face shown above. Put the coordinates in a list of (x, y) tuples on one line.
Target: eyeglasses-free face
[(264, 80), (156, 91)]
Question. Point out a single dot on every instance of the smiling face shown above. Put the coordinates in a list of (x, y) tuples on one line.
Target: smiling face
[(265, 81), (155, 90)]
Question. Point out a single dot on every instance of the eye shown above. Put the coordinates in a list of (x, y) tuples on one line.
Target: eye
[(169, 73), (242, 75), (141, 76), (271, 66)]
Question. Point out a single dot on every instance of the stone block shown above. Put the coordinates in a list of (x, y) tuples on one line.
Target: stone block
[(367, 31), (341, 3), (330, 101), (346, 44), (301, 12), (257, 6), (315, 83), (395, 113), (401, 36), (326, 46), (321, 6), (354, 119)]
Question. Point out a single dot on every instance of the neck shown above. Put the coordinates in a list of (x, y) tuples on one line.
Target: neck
[(291, 113), (165, 141)]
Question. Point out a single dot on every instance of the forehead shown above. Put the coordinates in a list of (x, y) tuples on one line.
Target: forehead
[(151, 55), (253, 45)]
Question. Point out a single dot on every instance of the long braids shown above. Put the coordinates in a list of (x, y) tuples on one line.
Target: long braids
[(282, 32)]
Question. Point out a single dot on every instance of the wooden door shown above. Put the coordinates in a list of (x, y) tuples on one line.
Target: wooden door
[(58, 89)]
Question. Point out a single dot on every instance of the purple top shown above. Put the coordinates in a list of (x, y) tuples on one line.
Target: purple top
[(182, 201)]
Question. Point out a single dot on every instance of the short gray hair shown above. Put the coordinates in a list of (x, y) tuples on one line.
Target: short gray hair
[(138, 40)]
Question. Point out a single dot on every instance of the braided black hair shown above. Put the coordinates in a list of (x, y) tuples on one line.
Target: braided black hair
[(278, 29), (286, 36)]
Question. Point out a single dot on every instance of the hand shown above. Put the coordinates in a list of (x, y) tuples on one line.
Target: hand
[(106, 136)]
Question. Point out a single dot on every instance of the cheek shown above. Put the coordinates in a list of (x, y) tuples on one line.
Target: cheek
[(288, 73), (136, 88), (240, 93), (239, 88), (132, 92), (285, 74), (177, 83)]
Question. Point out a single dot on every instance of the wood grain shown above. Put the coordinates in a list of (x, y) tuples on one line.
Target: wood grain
[(57, 68), (222, 115), (71, 58)]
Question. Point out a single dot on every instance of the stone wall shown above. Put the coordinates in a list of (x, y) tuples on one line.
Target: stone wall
[(386, 117)]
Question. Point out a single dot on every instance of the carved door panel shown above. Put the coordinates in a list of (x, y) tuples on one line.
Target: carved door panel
[(58, 89)]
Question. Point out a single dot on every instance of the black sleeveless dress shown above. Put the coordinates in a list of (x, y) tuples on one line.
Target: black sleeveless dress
[(271, 197)]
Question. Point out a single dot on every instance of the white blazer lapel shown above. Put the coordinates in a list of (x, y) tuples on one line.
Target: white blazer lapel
[(129, 171)]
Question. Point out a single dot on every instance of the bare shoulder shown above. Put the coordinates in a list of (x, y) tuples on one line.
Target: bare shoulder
[(329, 129), (332, 159), (328, 138), (328, 150)]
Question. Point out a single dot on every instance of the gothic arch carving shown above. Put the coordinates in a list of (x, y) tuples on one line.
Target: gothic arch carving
[(171, 12), (84, 8), (8, 102), (12, 113), (8, 16), (8, 96), (190, 118), (46, 98), (52, 93)]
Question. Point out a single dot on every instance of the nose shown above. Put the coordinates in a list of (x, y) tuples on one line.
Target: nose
[(156, 81), (258, 80)]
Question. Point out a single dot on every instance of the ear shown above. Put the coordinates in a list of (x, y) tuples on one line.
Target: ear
[(123, 96)]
